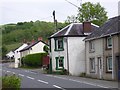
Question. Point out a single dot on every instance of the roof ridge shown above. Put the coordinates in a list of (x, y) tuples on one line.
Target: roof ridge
[(60, 30), (69, 29)]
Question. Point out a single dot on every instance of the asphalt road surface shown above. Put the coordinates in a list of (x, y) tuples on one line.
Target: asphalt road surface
[(38, 80)]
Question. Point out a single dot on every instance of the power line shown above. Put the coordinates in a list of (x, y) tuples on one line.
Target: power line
[(72, 4)]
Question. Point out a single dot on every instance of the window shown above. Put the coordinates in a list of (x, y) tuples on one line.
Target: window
[(91, 46), (109, 63), (59, 63), (59, 44), (109, 42), (92, 64)]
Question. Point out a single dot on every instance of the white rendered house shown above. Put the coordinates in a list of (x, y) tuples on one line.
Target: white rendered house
[(10, 55), (35, 47), (17, 54), (67, 48)]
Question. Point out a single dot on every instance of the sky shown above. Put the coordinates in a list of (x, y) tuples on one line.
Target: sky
[(13, 11)]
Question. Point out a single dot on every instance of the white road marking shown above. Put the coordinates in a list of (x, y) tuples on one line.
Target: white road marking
[(33, 72), (58, 87), (21, 75), (8, 71), (13, 72), (102, 86), (30, 77), (75, 80), (43, 81)]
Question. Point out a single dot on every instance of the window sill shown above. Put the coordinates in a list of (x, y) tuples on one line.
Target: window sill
[(59, 68), (58, 49), (92, 71), (91, 51)]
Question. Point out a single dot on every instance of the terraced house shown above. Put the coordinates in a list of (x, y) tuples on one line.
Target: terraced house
[(68, 48), (103, 51)]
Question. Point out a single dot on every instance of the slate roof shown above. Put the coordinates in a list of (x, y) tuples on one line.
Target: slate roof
[(110, 27), (74, 29), (31, 45)]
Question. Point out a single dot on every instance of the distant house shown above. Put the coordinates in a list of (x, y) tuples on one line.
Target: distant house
[(35, 47), (17, 54), (10, 55), (103, 51), (67, 48)]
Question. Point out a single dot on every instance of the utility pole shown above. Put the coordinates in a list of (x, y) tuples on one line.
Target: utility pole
[(55, 21)]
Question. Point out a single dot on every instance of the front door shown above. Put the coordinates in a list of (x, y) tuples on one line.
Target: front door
[(118, 59), (100, 67)]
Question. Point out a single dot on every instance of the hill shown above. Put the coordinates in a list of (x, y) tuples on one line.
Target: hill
[(14, 34)]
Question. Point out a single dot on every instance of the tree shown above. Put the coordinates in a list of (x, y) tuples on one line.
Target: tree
[(71, 19), (92, 12), (4, 51)]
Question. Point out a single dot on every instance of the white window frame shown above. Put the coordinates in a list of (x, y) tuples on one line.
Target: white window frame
[(109, 45), (108, 68), (92, 64)]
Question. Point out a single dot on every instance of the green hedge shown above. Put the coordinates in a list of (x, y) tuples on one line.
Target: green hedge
[(12, 82), (34, 60)]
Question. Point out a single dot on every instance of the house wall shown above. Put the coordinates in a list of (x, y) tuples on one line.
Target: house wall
[(54, 54), (108, 52), (10, 54), (17, 54), (38, 48), (76, 50), (98, 47)]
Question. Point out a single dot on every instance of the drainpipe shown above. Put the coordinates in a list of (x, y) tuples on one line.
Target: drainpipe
[(67, 56), (112, 57)]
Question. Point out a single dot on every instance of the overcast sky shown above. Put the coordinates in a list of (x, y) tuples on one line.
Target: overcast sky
[(13, 11)]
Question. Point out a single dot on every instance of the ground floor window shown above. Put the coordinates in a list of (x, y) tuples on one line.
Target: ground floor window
[(109, 63), (92, 64), (59, 63)]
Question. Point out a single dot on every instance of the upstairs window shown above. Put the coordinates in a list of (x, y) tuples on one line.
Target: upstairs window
[(59, 44), (91, 46), (109, 42)]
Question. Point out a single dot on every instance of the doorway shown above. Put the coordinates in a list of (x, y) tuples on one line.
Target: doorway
[(100, 67)]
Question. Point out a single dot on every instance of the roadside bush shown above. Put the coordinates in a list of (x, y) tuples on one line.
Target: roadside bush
[(11, 82), (34, 60), (82, 74)]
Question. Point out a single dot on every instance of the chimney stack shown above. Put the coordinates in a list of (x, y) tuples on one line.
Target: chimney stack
[(87, 27), (39, 38), (33, 41)]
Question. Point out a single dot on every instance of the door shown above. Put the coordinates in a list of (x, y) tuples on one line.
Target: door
[(100, 67), (118, 59)]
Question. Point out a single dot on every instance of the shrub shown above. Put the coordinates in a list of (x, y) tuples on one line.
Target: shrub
[(13, 82), (34, 60), (46, 48), (82, 74)]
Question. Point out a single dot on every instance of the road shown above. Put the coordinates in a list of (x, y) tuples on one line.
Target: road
[(32, 79)]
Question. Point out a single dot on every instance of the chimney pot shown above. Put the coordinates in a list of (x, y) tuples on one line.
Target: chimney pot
[(40, 38)]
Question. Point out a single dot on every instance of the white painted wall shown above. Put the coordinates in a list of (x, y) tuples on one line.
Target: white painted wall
[(37, 48), (98, 43), (76, 48), (76, 54), (10, 54), (57, 54), (17, 54)]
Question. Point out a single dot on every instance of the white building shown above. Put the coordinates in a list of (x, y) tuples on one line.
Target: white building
[(17, 54), (10, 55), (35, 47), (68, 48)]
